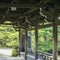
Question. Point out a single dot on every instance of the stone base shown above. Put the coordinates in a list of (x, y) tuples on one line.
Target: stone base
[(22, 54)]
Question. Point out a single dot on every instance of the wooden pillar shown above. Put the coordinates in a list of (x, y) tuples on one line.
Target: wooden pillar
[(19, 41), (36, 42), (55, 40), (26, 44)]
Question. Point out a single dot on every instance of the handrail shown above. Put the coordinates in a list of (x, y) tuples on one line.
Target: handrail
[(45, 55)]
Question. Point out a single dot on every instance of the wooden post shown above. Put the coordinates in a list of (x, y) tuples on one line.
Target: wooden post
[(19, 41), (36, 42), (55, 40), (26, 44)]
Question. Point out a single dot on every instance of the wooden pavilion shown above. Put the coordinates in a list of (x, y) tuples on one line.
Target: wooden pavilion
[(32, 15)]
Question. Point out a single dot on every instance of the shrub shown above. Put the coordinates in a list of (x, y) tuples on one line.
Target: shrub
[(58, 49), (15, 52)]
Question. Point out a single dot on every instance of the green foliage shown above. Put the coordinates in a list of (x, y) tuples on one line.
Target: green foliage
[(45, 46), (59, 48), (59, 38), (44, 40), (15, 52), (8, 36)]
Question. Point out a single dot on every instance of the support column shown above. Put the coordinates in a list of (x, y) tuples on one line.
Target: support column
[(26, 44), (36, 42), (55, 40), (19, 41)]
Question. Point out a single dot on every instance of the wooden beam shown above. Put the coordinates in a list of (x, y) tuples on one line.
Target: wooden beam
[(26, 43), (36, 42), (12, 15), (39, 26), (46, 25), (5, 5), (18, 4), (27, 12), (42, 26), (7, 24), (32, 10), (45, 2)]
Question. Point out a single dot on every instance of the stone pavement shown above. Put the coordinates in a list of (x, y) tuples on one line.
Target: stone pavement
[(11, 58)]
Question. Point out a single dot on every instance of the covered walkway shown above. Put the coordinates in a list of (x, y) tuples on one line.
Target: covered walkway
[(27, 15)]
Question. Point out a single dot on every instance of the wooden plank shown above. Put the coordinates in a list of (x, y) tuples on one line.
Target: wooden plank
[(36, 42)]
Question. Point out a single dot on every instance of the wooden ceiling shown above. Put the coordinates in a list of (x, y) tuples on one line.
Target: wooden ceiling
[(29, 12)]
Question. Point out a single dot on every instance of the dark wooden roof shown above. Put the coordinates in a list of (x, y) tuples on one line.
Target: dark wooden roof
[(28, 12)]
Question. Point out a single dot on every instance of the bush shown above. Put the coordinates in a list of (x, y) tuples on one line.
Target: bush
[(58, 49), (15, 52)]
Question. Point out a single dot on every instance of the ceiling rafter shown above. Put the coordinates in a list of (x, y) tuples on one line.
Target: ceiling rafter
[(7, 11), (29, 10)]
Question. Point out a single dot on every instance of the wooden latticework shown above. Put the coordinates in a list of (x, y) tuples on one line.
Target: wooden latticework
[(29, 12)]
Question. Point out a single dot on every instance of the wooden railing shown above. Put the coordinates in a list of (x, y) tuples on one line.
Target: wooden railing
[(46, 56), (43, 55)]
